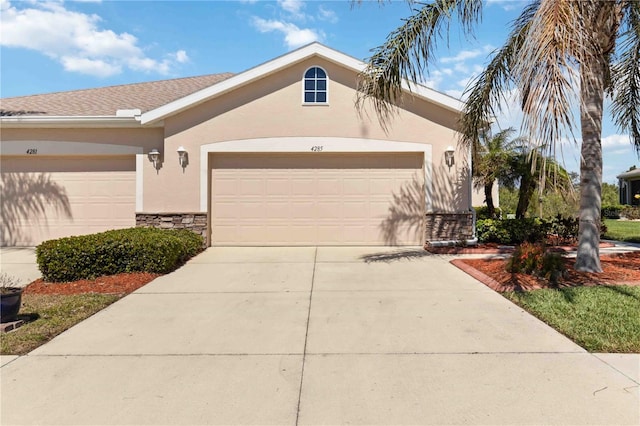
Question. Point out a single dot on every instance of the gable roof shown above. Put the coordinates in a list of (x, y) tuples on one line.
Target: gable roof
[(270, 67), (156, 100), (106, 101)]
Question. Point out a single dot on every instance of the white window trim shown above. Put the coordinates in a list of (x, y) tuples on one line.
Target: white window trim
[(328, 81), (305, 144)]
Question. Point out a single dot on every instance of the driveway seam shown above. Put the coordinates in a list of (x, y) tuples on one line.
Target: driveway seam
[(306, 335), (231, 354)]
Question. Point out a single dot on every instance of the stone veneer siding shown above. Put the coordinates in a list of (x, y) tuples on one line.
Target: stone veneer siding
[(196, 222), (449, 226)]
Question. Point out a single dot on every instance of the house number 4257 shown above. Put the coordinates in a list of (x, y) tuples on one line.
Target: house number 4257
[(317, 148)]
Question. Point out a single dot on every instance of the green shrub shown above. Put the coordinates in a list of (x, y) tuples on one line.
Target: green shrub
[(482, 212), (611, 211), (534, 259), (113, 252), (559, 230), (631, 212), (510, 231), (492, 231), (562, 230)]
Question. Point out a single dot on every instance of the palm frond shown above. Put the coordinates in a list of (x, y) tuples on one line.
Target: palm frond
[(408, 50), (546, 71), (626, 75), (487, 92)]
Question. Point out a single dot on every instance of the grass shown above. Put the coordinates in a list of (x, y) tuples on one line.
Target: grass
[(622, 230), (50, 315), (600, 319)]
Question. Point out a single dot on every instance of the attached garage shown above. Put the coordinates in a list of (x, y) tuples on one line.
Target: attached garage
[(47, 197), (317, 199), (275, 155)]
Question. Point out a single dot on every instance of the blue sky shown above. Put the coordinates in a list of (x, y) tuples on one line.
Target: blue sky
[(49, 46)]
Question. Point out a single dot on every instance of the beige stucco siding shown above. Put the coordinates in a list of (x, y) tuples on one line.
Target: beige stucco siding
[(81, 141), (272, 107)]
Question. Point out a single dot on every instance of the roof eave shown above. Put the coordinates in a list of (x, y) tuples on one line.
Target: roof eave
[(279, 63), (71, 122), (630, 174)]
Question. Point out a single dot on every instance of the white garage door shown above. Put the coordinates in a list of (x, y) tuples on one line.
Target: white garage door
[(317, 199), (53, 197)]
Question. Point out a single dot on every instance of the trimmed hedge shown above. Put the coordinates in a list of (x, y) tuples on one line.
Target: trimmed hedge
[(518, 231), (124, 250), (631, 212), (510, 231), (611, 211)]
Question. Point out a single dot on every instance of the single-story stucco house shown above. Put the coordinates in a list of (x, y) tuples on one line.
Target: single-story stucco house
[(629, 187), (275, 155)]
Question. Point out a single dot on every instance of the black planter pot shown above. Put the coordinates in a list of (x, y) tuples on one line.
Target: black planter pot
[(10, 303)]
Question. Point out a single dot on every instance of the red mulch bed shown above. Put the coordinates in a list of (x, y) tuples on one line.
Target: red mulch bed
[(618, 269), (111, 284), (493, 248)]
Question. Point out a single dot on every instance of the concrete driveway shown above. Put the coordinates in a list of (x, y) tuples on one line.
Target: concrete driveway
[(315, 336), (20, 264)]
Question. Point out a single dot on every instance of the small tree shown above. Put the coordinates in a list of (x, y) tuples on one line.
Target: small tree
[(493, 162)]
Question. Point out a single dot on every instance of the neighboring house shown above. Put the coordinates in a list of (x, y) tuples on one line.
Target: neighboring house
[(275, 155), (629, 187), (478, 198)]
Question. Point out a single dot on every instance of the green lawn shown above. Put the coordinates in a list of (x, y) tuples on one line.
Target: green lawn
[(50, 315), (600, 319), (622, 230)]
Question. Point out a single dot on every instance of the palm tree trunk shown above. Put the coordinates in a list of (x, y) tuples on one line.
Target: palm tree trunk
[(592, 76), (527, 186), (488, 198)]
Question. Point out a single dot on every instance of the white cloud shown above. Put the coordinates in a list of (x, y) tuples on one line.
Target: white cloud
[(327, 15), (180, 56), (467, 54), (616, 141), (506, 4), (294, 7), (94, 67), (76, 41), (293, 36)]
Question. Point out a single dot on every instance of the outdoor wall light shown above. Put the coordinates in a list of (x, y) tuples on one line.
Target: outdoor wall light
[(448, 156), (182, 156), (154, 156)]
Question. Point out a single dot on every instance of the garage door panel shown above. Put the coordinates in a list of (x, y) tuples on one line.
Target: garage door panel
[(54, 197), (308, 199)]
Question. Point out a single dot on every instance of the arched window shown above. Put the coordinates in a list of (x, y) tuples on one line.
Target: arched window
[(315, 86)]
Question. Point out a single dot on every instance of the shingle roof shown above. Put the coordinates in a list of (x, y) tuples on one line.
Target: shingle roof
[(105, 101)]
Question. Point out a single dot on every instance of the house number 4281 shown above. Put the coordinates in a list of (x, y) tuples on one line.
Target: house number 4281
[(317, 148), (32, 151)]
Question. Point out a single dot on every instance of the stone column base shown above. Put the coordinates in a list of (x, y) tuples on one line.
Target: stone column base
[(196, 222), (448, 226)]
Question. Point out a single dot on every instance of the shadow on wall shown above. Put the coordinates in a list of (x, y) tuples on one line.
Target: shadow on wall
[(406, 213), (28, 197), (406, 216)]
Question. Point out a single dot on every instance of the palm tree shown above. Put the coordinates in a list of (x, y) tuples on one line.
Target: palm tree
[(494, 162), (537, 172), (558, 51)]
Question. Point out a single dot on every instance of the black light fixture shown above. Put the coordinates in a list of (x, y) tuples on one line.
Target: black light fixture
[(448, 156), (154, 156), (182, 156)]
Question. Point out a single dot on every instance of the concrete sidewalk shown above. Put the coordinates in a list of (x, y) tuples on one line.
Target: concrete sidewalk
[(316, 336)]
